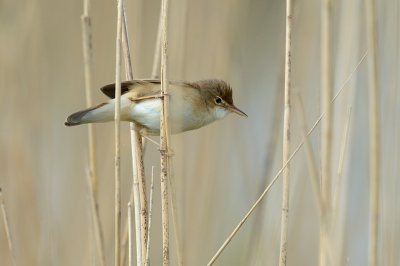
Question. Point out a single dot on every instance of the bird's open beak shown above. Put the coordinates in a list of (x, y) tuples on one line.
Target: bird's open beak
[(236, 110)]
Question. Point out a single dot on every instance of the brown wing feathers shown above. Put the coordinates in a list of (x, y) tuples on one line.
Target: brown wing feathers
[(109, 89), (126, 86)]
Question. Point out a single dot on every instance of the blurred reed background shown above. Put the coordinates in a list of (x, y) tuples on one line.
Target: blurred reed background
[(220, 170)]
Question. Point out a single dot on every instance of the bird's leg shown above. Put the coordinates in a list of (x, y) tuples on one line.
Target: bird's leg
[(148, 97), (144, 135), (143, 132)]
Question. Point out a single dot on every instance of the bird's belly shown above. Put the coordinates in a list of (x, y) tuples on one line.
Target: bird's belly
[(147, 114)]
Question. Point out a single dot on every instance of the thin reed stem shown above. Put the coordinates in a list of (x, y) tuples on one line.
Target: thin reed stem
[(136, 195), (337, 193), (150, 216), (125, 232), (156, 64), (88, 63), (98, 233), (7, 227), (312, 164), (137, 156), (286, 139), (374, 136), (165, 136), (175, 219), (327, 92), (338, 184), (117, 118), (280, 171), (130, 234), (157, 51)]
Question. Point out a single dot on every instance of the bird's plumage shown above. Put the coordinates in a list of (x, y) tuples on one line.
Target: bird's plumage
[(192, 105)]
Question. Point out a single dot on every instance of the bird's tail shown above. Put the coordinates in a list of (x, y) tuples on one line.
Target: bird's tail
[(101, 113)]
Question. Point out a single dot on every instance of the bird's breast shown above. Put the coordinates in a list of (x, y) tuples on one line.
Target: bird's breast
[(183, 116)]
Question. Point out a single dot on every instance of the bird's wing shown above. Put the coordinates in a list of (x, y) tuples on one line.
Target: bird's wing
[(126, 86), (109, 89)]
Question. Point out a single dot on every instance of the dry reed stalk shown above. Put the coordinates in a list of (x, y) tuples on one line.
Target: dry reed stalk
[(338, 185), (157, 51), (129, 76), (130, 234), (125, 46), (312, 165), (136, 194), (175, 219), (338, 189), (137, 154), (156, 63), (117, 118), (374, 139), (150, 216), (125, 232), (7, 227), (280, 171), (142, 185), (164, 135), (88, 62), (98, 233), (327, 92), (286, 139)]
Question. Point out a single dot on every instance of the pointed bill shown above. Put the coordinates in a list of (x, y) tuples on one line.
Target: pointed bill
[(237, 111)]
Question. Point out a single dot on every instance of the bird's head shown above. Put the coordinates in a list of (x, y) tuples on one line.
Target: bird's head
[(218, 97)]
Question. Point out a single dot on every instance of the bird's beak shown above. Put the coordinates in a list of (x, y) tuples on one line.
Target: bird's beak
[(236, 110)]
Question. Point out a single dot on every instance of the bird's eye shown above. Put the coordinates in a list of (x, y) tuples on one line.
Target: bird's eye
[(218, 100)]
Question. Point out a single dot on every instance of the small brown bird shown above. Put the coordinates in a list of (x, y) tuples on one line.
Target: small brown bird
[(192, 105)]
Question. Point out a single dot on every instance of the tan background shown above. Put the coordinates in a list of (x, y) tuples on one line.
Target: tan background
[(220, 169)]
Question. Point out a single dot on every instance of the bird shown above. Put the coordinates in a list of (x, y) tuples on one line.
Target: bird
[(192, 105)]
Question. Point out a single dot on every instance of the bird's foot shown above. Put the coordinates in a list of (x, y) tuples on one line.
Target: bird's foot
[(143, 132)]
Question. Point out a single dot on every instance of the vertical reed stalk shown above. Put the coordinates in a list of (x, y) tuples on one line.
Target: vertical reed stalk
[(165, 135), (150, 216), (142, 187), (98, 233), (157, 51), (175, 219), (137, 153), (125, 232), (7, 227), (88, 62), (327, 92), (312, 164), (117, 136), (338, 185), (374, 118), (135, 193), (130, 234), (338, 258), (286, 139), (136, 201)]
